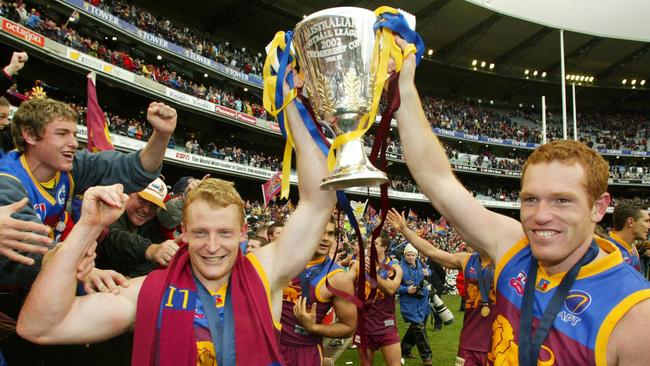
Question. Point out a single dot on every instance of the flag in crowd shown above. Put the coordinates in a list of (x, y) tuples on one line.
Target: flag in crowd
[(98, 136), (358, 208), (271, 187), (441, 226)]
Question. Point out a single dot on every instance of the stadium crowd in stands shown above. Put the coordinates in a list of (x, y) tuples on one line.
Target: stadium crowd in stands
[(223, 149), (614, 131), (162, 73), (222, 51)]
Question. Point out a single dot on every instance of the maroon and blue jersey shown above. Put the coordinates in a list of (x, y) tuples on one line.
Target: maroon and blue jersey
[(380, 314), (629, 252), (603, 292), (316, 271), (49, 204), (477, 329)]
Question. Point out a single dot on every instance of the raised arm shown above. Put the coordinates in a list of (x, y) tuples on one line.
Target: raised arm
[(287, 257), (163, 120), (447, 260), (428, 163), (52, 314)]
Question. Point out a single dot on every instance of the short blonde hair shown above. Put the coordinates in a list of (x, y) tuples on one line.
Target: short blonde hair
[(570, 152), (216, 193)]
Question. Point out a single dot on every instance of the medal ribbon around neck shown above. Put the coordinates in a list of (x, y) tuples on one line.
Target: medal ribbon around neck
[(529, 344), (485, 278)]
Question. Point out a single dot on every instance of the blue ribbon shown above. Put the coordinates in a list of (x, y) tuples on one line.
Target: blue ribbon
[(324, 147), (313, 130), (285, 59), (398, 24)]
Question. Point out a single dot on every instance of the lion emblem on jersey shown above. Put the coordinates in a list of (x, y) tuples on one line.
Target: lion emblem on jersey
[(505, 352)]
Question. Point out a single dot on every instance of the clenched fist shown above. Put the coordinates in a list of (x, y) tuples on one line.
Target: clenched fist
[(162, 117)]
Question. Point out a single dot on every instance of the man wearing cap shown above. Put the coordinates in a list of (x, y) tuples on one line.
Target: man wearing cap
[(130, 246), (414, 304)]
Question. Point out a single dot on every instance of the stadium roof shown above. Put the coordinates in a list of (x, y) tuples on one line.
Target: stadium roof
[(458, 32)]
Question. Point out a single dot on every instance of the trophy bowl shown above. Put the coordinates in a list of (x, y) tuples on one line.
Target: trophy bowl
[(335, 49)]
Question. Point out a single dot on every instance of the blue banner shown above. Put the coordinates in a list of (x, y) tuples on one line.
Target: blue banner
[(254, 80), (528, 145)]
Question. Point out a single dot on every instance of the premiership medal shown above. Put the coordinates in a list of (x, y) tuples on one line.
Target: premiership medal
[(484, 284), (485, 310)]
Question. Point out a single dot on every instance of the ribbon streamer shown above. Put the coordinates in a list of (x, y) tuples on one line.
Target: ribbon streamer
[(273, 95)]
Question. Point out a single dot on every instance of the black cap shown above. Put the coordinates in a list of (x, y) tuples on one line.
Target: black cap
[(180, 185)]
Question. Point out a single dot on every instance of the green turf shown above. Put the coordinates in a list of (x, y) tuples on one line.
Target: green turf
[(444, 343)]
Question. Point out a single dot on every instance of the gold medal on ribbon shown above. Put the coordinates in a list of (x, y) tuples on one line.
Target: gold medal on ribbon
[(485, 311)]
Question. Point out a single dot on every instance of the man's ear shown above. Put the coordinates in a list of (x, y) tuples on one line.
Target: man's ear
[(244, 232), (600, 207), (183, 237), (29, 138)]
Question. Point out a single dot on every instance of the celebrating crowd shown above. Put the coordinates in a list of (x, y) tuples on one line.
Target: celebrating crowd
[(200, 43)]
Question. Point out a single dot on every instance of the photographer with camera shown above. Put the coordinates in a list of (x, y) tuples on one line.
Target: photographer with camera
[(414, 304)]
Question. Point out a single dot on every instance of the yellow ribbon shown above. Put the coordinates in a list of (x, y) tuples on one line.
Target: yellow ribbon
[(268, 97)]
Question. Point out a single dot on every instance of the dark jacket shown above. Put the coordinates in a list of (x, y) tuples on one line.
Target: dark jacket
[(5, 82), (123, 248), (6, 140), (438, 277)]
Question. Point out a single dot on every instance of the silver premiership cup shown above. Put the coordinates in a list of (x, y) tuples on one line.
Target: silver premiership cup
[(334, 48)]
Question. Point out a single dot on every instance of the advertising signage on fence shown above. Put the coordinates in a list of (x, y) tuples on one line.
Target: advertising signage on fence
[(225, 111), (246, 118), (461, 135), (486, 170), (100, 13), (99, 65), (23, 33)]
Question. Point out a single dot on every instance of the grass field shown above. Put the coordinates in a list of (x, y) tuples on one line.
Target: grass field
[(444, 343)]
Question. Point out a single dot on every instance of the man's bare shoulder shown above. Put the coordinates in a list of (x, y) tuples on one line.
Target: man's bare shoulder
[(341, 278), (628, 343)]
